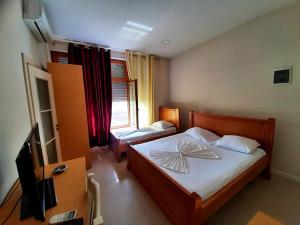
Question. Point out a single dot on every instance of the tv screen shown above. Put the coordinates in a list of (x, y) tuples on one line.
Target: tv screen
[(30, 167)]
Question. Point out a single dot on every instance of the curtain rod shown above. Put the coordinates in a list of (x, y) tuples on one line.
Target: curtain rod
[(67, 41), (139, 53), (87, 45)]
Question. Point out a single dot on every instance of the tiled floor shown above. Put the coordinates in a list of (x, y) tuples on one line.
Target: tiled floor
[(124, 201)]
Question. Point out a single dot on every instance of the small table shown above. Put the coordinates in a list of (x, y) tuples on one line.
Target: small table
[(263, 219), (70, 189)]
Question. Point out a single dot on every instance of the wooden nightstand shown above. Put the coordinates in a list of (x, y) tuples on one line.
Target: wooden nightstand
[(262, 219)]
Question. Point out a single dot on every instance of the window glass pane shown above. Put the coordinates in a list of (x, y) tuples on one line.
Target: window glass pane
[(120, 91), (118, 70), (51, 152), (119, 115), (119, 104), (47, 122), (62, 60), (43, 94), (59, 57)]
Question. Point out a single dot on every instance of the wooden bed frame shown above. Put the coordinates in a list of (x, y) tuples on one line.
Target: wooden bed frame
[(165, 113), (184, 208)]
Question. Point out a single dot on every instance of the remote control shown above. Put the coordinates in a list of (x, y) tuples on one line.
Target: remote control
[(63, 217), (60, 169)]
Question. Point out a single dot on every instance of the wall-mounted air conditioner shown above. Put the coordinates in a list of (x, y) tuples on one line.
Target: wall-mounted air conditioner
[(35, 18)]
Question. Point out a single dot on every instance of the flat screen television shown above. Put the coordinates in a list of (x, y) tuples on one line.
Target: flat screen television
[(37, 192)]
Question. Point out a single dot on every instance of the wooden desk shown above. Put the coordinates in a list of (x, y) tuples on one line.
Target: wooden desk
[(262, 219), (70, 189)]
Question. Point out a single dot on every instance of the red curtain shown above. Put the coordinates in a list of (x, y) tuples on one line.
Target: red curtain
[(98, 93)]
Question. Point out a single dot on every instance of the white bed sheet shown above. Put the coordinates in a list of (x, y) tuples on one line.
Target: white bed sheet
[(135, 135), (206, 176)]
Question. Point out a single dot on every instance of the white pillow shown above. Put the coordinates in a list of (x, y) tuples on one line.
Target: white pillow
[(238, 143), (203, 135), (163, 124)]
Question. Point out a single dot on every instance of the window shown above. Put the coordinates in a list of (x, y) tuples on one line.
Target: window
[(120, 104), (59, 57)]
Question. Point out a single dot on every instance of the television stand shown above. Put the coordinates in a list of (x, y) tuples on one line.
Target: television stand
[(50, 197), (70, 188), (47, 187)]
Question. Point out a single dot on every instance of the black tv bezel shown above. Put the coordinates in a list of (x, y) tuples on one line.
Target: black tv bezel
[(33, 196)]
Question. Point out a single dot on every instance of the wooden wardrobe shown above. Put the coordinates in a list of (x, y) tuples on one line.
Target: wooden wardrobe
[(71, 110)]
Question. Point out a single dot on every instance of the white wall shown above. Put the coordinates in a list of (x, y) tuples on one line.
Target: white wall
[(14, 115), (232, 74)]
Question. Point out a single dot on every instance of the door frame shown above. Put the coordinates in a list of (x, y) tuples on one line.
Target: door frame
[(28, 61), (32, 110)]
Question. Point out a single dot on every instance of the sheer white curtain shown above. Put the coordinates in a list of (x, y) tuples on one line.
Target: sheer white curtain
[(141, 67)]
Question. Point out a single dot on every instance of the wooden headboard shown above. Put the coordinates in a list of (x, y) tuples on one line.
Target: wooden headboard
[(258, 129), (170, 114)]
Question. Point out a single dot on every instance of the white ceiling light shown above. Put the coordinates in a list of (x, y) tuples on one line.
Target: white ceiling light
[(140, 26), (131, 33), (134, 30)]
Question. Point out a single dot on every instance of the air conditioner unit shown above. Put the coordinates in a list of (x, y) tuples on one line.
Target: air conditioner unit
[(36, 20)]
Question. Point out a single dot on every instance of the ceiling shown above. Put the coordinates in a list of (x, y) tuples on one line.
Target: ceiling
[(184, 23)]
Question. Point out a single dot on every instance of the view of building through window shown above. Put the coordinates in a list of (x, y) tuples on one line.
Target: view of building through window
[(119, 116), (120, 105)]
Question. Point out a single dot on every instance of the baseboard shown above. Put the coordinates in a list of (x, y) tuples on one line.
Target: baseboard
[(286, 175)]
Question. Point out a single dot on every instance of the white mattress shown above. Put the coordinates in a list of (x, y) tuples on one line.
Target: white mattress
[(206, 176), (130, 134)]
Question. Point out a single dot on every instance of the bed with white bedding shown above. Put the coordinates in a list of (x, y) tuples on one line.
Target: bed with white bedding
[(130, 134), (191, 198), (206, 176), (120, 137)]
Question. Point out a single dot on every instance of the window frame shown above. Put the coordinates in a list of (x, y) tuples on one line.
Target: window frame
[(121, 80), (120, 62), (56, 54)]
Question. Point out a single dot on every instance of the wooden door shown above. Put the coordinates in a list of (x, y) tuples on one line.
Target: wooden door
[(71, 110), (44, 111)]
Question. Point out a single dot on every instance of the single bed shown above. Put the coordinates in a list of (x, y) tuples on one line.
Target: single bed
[(120, 137), (178, 195)]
